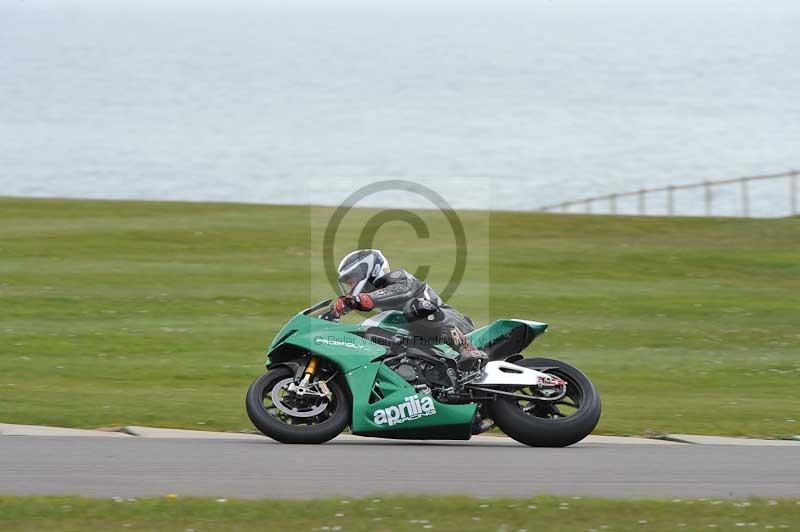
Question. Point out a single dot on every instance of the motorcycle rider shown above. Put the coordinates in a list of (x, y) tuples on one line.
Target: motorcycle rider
[(367, 283)]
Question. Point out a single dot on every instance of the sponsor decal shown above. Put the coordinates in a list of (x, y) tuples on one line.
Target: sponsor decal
[(338, 342), (412, 408)]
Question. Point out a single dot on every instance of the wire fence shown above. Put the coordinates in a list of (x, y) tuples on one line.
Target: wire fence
[(609, 203)]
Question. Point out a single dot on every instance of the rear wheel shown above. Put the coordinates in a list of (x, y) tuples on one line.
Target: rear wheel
[(288, 417), (558, 423)]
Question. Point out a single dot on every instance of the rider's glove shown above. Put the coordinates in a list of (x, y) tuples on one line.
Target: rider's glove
[(340, 306), (346, 303), (361, 302)]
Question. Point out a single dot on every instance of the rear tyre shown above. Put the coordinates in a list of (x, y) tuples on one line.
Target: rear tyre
[(273, 421), (543, 424)]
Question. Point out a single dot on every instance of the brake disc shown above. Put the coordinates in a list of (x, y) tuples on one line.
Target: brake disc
[(281, 403)]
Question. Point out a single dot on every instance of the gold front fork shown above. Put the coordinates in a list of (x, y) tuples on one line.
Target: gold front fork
[(311, 368), (310, 371)]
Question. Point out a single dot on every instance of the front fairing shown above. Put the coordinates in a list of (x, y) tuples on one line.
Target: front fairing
[(305, 320), (342, 344), (302, 324)]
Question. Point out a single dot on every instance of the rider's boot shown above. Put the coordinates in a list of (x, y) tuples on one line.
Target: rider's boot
[(469, 356)]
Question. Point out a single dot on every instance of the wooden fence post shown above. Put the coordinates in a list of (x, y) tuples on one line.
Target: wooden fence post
[(793, 192), (709, 198), (642, 206), (671, 200), (589, 206), (745, 199), (612, 203)]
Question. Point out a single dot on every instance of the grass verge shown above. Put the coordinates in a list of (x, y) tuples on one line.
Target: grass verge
[(115, 313), (396, 514)]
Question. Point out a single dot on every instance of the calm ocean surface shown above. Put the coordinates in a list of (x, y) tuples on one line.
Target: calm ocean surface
[(262, 102)]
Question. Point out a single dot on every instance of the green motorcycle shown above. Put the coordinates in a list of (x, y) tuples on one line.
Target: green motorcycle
[(323, 376)]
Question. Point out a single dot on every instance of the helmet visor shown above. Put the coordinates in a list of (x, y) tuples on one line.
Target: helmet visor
[(352, 281)]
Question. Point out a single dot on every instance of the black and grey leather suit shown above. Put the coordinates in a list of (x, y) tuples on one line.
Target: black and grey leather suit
[(399, 290)]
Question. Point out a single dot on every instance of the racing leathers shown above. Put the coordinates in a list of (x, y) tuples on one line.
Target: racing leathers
[(431, 319)]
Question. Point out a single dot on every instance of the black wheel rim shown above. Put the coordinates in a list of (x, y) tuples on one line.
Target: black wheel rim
[(295, 401)]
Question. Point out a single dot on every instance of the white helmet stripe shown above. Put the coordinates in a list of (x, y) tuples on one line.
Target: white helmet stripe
[(371, 262)]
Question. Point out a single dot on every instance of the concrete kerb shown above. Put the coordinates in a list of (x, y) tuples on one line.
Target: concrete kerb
[(39, 430), (170, 433), (722, 440)]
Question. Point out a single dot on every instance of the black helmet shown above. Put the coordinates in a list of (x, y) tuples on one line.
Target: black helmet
[(359, 269)]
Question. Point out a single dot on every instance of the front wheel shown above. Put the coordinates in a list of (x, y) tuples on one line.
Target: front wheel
[(291, 418), (550, 424)]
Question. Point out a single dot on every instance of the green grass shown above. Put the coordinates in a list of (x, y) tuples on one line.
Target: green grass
[(396, 514), (117, 313)]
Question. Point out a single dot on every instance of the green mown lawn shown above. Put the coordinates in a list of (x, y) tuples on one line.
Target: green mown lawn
[(61, 514), (141, 313)]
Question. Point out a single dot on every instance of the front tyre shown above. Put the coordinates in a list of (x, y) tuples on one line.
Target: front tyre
[(550, 424), (288, 419)]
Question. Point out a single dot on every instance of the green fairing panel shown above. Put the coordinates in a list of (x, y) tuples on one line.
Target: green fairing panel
[(392, 320), (328, 339), (485, 335), (397, 410)]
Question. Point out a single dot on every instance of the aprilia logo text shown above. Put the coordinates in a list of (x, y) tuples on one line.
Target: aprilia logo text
[(413, 408)]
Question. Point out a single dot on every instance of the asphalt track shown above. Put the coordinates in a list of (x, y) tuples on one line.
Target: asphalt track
[(261, 468)]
